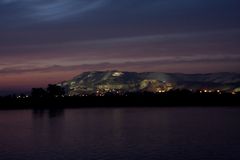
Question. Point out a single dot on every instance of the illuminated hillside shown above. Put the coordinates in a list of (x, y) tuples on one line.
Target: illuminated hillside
[(102, 82)]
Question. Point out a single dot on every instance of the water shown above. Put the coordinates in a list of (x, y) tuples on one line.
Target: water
[(121, 133)]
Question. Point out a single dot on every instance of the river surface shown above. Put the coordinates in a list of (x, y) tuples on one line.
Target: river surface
[(181, 133)]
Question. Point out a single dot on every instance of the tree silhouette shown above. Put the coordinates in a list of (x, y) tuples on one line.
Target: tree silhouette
[(55, 91), (38, 93)]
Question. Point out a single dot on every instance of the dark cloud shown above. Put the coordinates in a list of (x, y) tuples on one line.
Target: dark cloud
[(46, 11), (141, 65)]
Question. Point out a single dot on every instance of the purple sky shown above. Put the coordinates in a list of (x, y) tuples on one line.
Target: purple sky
[(44, 41)]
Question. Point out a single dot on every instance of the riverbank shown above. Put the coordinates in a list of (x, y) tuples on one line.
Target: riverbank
[(121, 101)]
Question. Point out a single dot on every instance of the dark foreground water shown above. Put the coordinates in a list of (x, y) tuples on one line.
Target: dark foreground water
[(121, 133)]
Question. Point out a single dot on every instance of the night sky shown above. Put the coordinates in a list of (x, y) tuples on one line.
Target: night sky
[(48, 41)]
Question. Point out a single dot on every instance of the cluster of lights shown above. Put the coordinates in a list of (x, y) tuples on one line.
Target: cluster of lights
[(107, 90), (161, 91), (214, 91), (25, 96), (208, 91)]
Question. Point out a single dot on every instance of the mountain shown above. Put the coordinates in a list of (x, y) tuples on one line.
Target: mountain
[(101, 82)]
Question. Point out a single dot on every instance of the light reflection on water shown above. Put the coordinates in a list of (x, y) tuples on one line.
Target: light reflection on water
[(121, 133)]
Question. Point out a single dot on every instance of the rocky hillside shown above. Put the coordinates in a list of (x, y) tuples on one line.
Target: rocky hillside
[(101, 82)]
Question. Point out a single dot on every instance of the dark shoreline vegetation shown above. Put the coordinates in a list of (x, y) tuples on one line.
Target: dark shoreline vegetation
[(172, 98)]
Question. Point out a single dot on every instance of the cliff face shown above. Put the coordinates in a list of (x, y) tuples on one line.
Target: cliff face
[(120, 82)]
